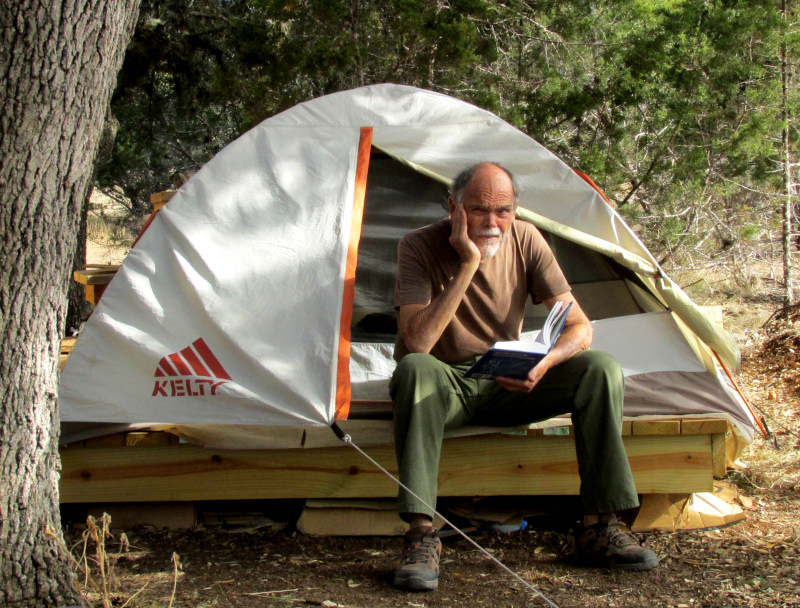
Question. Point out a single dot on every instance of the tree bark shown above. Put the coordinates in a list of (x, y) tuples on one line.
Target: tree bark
[(788, 182), (58, 69), (78, 308)]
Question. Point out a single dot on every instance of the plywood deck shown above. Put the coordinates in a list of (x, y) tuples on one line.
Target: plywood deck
[(682, 457)]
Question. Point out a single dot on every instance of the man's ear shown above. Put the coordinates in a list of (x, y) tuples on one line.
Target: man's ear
[(451, 203)]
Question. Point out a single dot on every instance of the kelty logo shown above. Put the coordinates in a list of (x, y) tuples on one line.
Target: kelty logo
[(191, 372)]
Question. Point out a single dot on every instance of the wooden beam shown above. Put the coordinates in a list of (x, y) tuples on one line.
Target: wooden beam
[(95, 280), (99, 274), (719, 457), (67, 344), (470, 466), (656, 427), (162, 197), (699, 426)]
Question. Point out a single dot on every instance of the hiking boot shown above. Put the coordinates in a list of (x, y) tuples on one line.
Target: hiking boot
[(612, 545), (419, 570)]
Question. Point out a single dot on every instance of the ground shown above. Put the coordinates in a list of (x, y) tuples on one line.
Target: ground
[(755, 563)]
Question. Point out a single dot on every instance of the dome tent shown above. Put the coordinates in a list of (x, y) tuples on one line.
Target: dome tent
[(261, 294)]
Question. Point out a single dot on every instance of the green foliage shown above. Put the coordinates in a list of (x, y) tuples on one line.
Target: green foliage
[(672, 106), (199, 73)]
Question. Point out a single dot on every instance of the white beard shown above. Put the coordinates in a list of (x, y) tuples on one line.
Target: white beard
[(489, 251)]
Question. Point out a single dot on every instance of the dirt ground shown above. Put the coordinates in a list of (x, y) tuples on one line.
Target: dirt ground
[(754, 563)]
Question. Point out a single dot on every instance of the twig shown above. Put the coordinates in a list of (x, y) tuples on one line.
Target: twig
[(783, 311), (275, 591), (176, 564), (130, 599)]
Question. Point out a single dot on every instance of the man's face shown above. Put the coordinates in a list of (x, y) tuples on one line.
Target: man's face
[(489, 203)]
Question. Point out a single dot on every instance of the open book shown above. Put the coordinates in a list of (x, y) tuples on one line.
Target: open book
[(515, 359)]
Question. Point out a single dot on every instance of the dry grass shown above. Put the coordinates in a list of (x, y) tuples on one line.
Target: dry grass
[(95, 567)]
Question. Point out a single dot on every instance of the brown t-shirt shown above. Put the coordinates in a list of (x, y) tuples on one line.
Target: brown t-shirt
[(493, 307)]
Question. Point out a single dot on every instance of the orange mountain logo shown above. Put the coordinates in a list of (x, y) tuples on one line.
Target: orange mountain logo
[(191, 372)]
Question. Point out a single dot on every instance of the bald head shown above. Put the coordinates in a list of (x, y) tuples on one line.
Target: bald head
[(483, 173)]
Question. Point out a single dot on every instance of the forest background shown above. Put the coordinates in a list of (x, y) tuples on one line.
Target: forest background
[(683, 111)]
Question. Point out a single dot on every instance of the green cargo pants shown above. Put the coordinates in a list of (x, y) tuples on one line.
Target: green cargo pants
[(430, 397)]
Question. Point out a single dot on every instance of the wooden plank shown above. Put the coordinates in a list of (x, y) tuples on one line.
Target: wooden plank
[(671, 464), (719, 455), (692, 426), (67, 344), (93, 293), (656, 427), (96, 275), (162, 197), (470, 466), (95, 278)]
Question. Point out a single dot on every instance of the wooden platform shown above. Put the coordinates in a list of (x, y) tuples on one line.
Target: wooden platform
[(667, 457)]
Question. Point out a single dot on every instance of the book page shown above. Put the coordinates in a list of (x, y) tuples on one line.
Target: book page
[(518, 346), (555, 323), (550, 322), (543, 341)]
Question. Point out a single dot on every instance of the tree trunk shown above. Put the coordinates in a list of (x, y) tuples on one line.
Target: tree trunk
[(788, 183), (78, 308), (58, 69)]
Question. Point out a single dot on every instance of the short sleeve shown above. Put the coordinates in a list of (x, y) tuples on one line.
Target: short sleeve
[(413, 282), (544, 276)]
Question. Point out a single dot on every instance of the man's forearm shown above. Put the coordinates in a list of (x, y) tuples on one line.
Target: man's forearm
[(573, 339), (421, 329)]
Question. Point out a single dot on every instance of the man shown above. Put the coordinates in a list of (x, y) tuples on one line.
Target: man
[(462, 285)]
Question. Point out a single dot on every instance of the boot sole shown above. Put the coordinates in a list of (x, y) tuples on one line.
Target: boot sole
[(640, 567), (416, 583), (589, 562)]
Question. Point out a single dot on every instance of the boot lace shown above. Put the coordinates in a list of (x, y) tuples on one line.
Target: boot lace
[(421, 550), (618, 535)]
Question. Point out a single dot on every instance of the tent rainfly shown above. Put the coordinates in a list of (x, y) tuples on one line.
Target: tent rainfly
[(262, 293)]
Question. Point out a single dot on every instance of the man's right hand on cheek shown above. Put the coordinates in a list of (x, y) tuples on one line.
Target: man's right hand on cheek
[(459, 237)]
